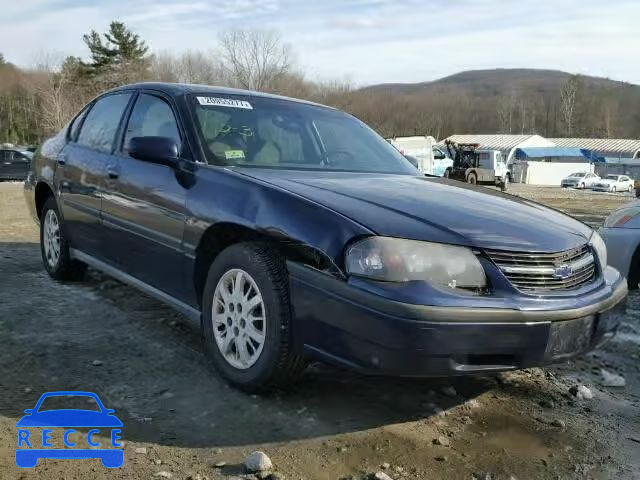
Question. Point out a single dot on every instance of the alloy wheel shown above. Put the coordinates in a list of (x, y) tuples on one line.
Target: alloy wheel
[(239, 319), (51, 238)]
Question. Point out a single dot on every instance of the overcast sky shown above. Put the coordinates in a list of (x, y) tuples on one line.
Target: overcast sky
[(366, 41)]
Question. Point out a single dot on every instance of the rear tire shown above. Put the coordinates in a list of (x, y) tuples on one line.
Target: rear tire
[(472, 179), (251, 354), (54, 245)]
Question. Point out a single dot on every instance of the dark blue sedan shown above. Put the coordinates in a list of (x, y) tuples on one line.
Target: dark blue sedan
[(291, 231)]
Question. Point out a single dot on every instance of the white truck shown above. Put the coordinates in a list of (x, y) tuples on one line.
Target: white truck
[(477, 166), (431, 158)]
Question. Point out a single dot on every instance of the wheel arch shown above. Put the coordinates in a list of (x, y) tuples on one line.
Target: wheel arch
[(224, 234), (42, 192), (633, 275)]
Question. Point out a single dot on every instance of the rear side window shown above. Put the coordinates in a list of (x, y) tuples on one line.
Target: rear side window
[(75, 124), (151, 117), (99, 128)]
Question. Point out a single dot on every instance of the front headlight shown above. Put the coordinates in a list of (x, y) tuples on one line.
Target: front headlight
[(400, 260), (600, 248)]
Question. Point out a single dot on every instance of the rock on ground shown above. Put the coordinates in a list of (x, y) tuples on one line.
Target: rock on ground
[(258, 462), (381, 476)]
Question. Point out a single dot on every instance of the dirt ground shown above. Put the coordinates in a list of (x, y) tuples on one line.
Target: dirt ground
[(145, 361)]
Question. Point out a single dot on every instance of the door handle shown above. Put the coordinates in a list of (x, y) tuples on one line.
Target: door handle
[(62, 159), (113, 175)]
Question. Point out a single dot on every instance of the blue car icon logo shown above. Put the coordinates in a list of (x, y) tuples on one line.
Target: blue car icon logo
[(31, 447)]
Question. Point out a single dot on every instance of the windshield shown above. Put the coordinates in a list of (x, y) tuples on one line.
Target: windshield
[(579, 174), (275, 133), (64, 402)]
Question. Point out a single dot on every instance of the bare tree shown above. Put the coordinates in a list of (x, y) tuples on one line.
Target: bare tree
[(506, 106), (255, 59), (568, 98), (52, 85)]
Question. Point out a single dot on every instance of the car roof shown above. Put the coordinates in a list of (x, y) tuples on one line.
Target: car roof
[(175, 89)]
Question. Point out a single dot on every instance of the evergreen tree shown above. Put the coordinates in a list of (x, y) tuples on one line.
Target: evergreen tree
[(120, 47)]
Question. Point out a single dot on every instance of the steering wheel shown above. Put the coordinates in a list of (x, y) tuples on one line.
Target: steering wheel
[(342, 156)]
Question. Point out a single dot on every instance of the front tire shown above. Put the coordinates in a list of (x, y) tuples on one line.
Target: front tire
[(504, 186), (613, 189), (247, 318), (54, 245)]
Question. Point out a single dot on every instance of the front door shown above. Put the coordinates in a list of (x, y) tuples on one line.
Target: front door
[(144, 212), (81, 172)]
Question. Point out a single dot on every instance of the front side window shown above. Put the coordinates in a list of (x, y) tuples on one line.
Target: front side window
[(274, 133), (101, 124), (151, 117)]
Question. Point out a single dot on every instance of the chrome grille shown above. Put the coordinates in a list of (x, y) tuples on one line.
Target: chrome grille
[(546, 271)]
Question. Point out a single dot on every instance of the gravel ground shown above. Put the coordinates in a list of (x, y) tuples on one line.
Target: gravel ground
[(181, 421)]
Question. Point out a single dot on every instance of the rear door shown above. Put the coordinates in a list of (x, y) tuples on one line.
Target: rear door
[(145, 211), (82, 170)]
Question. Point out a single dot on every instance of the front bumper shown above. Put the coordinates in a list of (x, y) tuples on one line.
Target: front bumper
[(344, 324)]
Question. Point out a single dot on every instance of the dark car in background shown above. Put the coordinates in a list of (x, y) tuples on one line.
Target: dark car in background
[(291, 231), (14, 162)]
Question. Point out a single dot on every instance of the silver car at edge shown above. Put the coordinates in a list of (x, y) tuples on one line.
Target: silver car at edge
[(621, 234), (580, 180)]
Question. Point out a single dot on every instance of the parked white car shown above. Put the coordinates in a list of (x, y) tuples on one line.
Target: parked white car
[(614, 183), (580, 180)]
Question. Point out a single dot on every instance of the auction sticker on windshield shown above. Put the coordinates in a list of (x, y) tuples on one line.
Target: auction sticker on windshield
[(224, 102)]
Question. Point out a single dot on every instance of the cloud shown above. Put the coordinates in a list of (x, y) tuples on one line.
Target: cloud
[(355, 22), (367, 40)]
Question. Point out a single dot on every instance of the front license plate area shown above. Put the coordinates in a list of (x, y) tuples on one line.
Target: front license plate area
[(570, 337)]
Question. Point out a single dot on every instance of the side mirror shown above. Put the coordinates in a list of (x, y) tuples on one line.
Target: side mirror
[(161, 150)]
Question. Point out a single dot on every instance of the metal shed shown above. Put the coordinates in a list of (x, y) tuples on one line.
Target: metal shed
[(558, 154), (616, 150)]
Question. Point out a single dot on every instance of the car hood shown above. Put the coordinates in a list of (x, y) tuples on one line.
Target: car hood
[(69, 418), (433, 209)]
